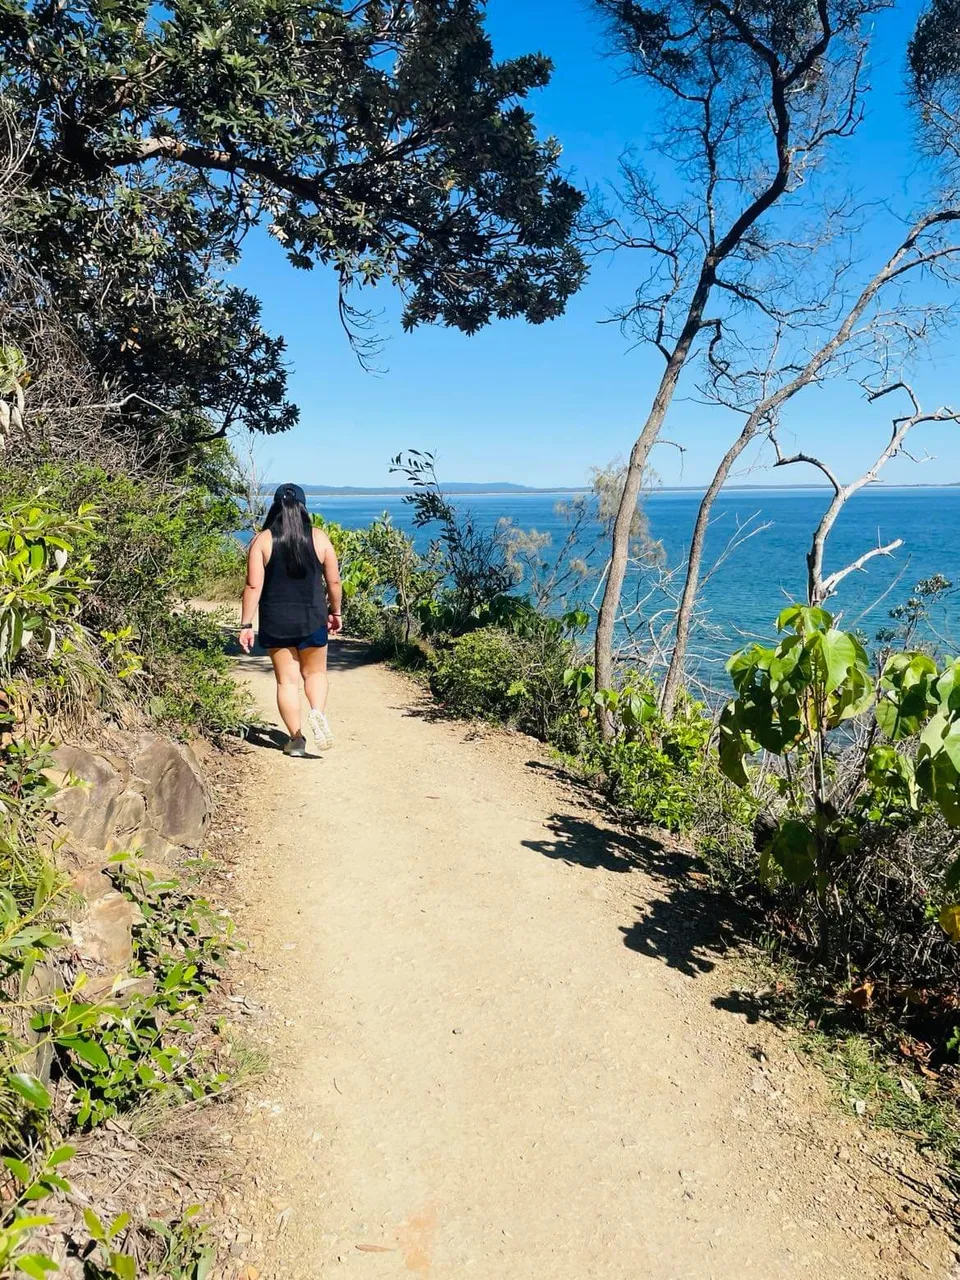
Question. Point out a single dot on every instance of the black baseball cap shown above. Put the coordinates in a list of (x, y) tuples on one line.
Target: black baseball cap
[(290, 493)]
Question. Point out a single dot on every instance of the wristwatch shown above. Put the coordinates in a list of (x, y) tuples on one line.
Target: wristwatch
[(246, 626)]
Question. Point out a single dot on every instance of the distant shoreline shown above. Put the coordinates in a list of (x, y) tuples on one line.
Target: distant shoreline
[(518, 491)]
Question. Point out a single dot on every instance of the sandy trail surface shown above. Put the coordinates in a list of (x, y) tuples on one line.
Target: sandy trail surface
[(503, 1038)]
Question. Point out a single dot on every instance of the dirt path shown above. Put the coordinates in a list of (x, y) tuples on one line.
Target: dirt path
[(497, 1041)]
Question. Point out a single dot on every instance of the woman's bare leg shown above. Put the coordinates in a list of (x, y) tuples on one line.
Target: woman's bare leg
[(313, 667), (287, 670)]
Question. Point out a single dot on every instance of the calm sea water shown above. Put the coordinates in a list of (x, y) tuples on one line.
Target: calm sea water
[(752, 584)]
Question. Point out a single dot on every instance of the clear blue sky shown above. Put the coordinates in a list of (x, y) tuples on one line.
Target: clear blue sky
[(541, 405)]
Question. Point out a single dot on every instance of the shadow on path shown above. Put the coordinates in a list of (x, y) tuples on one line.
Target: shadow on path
[(580, 842), (686, 923)]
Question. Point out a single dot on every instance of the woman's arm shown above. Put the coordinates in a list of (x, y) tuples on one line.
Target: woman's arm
[(251, 592), (331, 575)]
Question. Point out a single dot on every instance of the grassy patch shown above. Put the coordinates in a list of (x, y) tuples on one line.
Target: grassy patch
[(887, 1094), (882, 1088)]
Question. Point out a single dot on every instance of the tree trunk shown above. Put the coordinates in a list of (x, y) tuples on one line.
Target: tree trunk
[(620, 545), (691, 585)]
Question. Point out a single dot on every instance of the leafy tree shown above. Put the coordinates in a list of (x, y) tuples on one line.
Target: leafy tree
[(475, 558), (379, 139), (800, 701), (934, 61)]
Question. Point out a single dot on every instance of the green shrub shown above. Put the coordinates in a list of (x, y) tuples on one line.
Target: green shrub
[(648, 779), (190, 680), (481, 674), (663, 772), (41, 576), (136, 552), (858, 841), (109, 1055), (802, 702), (513, 672), (221, 573), (118, 1053)]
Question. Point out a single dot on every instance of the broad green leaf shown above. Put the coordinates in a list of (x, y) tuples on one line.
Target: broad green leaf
[(124, 1266), (950, 744), (948, 687), (30, 1221), (853, 698), (794, 849), (837, 653), (94, 1226), (931, 738), (31, 1090), (950, 921), (35, 1265), (732, 748), (938, 779), (804, 619), (20, 1169), (785, 661), (90, 1052), (120, 1222)]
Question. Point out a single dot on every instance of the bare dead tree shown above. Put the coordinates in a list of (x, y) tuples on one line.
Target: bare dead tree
[(864, 331), (752, 96), (820, 586), (582, 556), (249, 482)]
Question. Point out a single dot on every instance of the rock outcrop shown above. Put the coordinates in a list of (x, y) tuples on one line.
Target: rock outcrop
[(176, 792), (155, 800), (103, 933), (150, 798)]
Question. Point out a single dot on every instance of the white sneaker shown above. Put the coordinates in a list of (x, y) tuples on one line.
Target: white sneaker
[(322, 733)]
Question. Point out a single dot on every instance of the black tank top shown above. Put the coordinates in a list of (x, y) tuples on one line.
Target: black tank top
[(292, 608)]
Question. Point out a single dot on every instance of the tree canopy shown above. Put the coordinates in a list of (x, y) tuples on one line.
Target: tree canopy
[(382, 140)]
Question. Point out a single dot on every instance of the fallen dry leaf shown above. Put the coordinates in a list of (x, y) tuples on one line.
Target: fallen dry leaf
[(376, 1248), (862, 997), (910, 1089)]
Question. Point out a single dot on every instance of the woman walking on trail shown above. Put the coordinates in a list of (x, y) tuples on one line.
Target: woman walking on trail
[(289, 564)]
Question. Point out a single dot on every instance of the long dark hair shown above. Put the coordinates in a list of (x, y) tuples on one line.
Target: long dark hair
[(290, 527)]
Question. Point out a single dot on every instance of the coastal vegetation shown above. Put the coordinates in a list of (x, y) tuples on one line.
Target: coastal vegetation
[(756, 281)]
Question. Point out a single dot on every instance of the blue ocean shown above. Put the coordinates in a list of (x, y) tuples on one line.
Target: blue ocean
[(752, 583)]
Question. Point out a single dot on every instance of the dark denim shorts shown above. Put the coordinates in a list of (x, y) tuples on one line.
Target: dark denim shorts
[(315, 641)]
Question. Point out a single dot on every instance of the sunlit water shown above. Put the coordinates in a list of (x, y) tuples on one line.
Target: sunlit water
[(768, 568)]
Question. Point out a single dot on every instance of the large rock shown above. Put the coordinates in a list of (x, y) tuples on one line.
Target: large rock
[(146, 843), (88, 805), (176, 793), (39, 989), (129, 814), (103, 933)]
